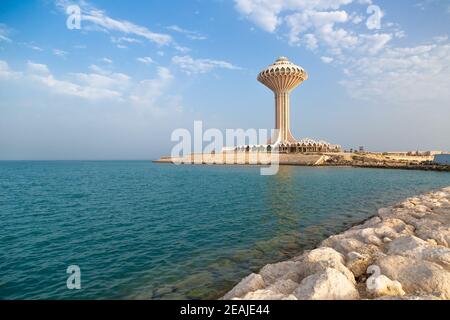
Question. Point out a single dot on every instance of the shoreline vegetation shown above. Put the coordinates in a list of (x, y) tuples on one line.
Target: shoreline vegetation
[(401, 253), (343, 160)]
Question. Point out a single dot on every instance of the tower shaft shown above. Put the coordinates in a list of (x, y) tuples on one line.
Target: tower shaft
[(282, 117)]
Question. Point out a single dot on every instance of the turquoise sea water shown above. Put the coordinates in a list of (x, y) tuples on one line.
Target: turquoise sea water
[(140, 230)]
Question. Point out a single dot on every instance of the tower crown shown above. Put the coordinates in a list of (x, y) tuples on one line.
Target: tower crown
[(282, 75)]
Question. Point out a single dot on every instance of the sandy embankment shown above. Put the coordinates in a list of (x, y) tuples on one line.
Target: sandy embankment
[(401, 253)]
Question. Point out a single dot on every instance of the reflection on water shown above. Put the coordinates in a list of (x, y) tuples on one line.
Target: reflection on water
[(146, 231)]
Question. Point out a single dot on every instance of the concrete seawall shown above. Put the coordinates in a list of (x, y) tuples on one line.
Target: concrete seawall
[(367, 160), (247, 158), (403, 253)]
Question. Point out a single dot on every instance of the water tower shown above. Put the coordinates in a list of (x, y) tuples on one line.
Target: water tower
[(282, 77)]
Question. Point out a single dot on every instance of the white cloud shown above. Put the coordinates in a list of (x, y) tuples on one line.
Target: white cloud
[(373, 43), (104, 80), (148, 91), (193, 35), (267, 13), (119, 40), (322, 26), (100, 84), (145, 60), (107, 60), (96, 69), (38, 68), (91, 89), (357, 19), (4, 33), (190, 65), (407, 75), (327, 59), (440, 39), (99, 19), (317, 24), (6, 73), (59, 53), (182, 49), (34, 47)]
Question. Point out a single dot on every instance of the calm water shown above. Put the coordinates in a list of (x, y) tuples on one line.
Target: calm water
[(141, 230)]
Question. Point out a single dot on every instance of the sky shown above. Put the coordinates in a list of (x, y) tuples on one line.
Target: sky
[(119, 83)]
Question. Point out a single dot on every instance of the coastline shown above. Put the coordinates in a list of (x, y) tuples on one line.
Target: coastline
[(401, 253), (338, 160)]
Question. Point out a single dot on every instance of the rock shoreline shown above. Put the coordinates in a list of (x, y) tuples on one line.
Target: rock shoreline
[(402, 253)]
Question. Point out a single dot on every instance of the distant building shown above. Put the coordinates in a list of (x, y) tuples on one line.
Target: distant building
[(442, 159)]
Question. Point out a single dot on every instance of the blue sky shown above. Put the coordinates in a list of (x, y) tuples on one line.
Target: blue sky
[(137, 70)]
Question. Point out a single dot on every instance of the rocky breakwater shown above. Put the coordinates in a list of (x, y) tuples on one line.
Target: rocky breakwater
[(401, 253)]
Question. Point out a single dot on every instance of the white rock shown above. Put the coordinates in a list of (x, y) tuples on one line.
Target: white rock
[(421, 208), (408, 297), (406, 204), (283, 286), (416, 248), (264, 294), (432, 229), (320, 259), (345, 245), (323, 254), (416, 276), (327, 285), (374, 240), (385, 212), (271, 273), (250, 283), (369, 223), (440, 195), (406, 245)]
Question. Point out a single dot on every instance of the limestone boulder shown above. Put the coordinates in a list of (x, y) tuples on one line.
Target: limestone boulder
[(409, 297), (407, 204), (320, 259), (421, 208), (432, 229), (346, 245), (327, 285), (265, 294), (284, 286), (417, 248), (369, 223), (416, 276), (250, 283), (271, 273)]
